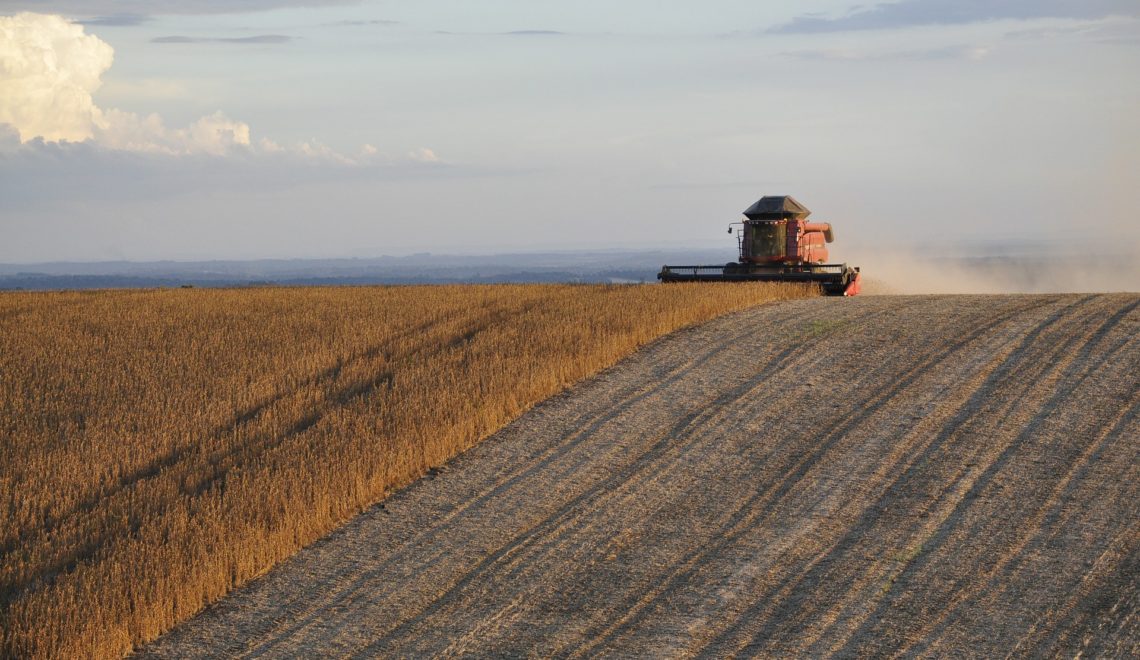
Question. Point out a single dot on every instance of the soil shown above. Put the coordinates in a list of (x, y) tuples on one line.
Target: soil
[(922, 475)]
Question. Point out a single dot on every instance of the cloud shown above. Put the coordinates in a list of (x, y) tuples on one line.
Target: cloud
[(256, 39), (421, 155), (146, 89), (49, 69), (9, 139), (1125, 32), (214, 134), (41, 175), (910, 13), (361, 23), (511, 33), (692, 185), (166, 7), (927, 54), (116, 20)]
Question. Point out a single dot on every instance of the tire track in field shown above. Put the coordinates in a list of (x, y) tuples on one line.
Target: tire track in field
[(1095, 605), (1047, 627), (745, 485), (978, 480), (905, 464), (744, 518), (1048, 515), (1073, 372), (1046, 521), (778, 611), (772, 500), (1039, 366), (560, 529), (585, 425), (668, 447)]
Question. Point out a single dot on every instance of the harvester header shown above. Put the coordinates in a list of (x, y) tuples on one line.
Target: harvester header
[(777, 244)]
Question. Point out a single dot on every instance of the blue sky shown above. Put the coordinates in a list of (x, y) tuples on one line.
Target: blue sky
[(316, 129)]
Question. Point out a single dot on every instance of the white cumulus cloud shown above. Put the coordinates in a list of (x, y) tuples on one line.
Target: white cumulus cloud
[(49, 69), (424, 155), (214, 134)]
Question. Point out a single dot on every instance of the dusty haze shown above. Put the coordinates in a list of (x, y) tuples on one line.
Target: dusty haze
[(887, 273)]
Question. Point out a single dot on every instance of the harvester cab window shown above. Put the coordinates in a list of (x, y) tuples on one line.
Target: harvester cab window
[(769, 239)]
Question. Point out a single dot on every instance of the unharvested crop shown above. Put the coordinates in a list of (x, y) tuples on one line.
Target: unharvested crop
[(158, 448)]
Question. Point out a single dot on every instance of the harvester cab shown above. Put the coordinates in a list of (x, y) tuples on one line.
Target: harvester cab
[(777, 244)]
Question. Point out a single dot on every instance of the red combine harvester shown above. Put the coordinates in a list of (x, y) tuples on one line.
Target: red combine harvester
[(777, 244)]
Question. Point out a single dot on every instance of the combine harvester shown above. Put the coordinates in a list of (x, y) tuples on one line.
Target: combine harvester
[(777, 244)]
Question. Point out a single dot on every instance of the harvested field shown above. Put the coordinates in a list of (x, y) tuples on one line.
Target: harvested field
[(932, 476), (159, 447)]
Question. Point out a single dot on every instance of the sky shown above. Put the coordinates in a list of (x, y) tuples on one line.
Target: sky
[(221, 129)]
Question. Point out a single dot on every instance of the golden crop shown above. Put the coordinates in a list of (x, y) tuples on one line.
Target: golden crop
[(158, 448)]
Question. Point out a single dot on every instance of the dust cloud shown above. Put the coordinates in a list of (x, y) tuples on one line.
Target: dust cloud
[(886, 273)]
